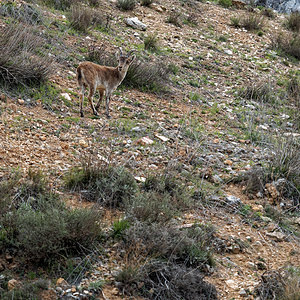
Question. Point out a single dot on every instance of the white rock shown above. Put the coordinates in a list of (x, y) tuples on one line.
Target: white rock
[(135, 23), (66, 96)]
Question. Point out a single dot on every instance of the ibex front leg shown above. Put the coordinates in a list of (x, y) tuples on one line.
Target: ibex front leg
[(107, 104), (101, 93), (90, 97)]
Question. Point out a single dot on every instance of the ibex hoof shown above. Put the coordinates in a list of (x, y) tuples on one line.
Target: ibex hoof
[(81, 114), (95, 113), (97, 108), (108, 116)]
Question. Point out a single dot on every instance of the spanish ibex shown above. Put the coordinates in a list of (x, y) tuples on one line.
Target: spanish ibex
[(102, 78)]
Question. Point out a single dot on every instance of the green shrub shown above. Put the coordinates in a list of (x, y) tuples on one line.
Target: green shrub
[(119, 227), (235, 22), (107, 185), (126, 4), (293, 21), (225, 3), (150, 42), (20, 61), (40, 227)]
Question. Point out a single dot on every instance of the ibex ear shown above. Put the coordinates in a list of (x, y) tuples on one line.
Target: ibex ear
[(131, 58)]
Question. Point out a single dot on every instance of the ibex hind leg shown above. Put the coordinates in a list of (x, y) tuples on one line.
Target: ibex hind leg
[(81, 101), (90, 97), (101, 93)]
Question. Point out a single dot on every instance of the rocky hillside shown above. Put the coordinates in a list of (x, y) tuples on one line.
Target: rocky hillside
[(283, 6), (191, 190)]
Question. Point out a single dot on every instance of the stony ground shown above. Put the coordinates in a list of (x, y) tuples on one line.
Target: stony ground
[(201, 125)]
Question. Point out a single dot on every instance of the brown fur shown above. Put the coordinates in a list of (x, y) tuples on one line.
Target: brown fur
[(101, 78)]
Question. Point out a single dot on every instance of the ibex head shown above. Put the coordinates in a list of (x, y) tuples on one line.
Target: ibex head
[(124, 60)]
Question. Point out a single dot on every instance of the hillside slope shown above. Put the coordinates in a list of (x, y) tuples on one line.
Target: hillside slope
[(222, 121)]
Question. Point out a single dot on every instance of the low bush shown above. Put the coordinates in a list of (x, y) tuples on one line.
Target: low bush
[(152, 207), (167, 281), (287, 44), (150, 42), (107, 185), (253, 22), (190, 246), (126, 4), (292, 21), (20, 61), (40, 227)]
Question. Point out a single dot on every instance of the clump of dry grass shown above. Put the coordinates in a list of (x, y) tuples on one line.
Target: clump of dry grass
[(287, 44), (20, 61)]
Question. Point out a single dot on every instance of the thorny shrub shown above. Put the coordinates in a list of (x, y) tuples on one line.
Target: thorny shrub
[(150, 42), (146, 2), (175, 18), (20, 61), (190, 246), (225, 3), (167, 281)]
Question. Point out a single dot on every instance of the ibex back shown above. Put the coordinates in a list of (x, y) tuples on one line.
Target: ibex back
[(102, 78)]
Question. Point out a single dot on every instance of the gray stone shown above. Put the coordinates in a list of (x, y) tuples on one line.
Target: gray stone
[(135, 23)]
